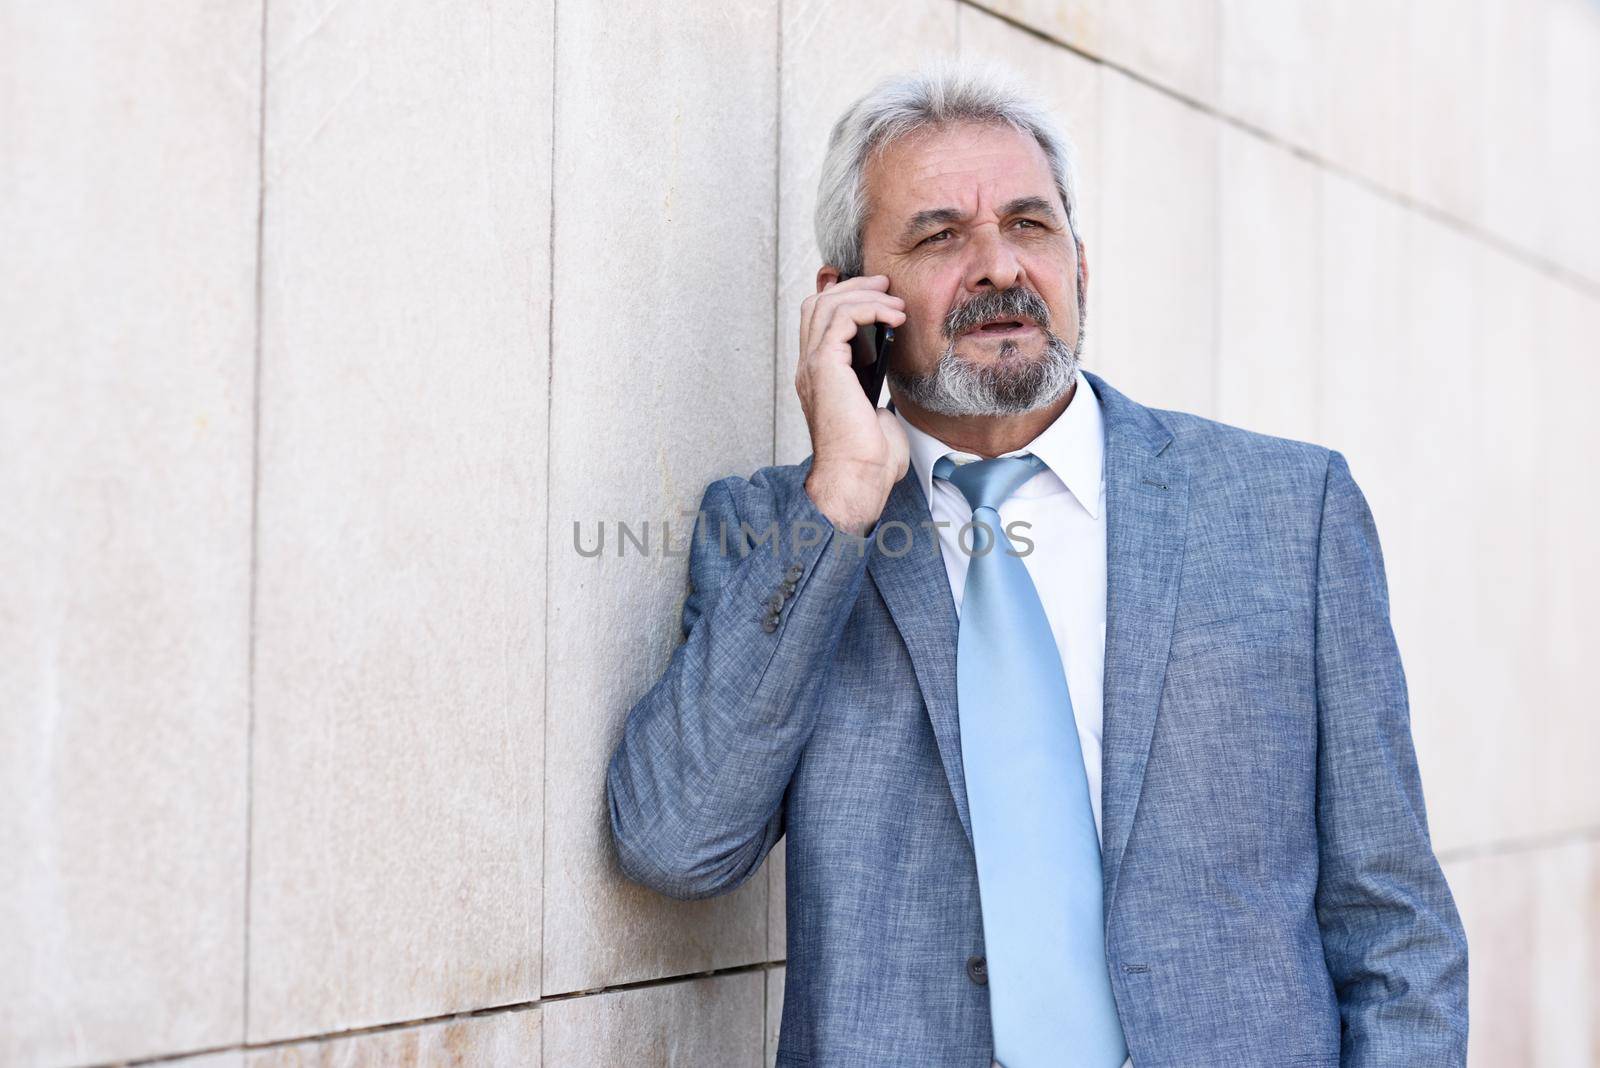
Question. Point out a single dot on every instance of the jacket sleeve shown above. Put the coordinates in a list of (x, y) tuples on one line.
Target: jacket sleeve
[(1394, 944), (696, 786)]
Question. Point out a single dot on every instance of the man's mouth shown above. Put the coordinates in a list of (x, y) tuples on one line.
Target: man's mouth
[(1002, 327)]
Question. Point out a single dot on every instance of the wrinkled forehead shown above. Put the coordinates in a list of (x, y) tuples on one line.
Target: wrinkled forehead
[(970, 166)]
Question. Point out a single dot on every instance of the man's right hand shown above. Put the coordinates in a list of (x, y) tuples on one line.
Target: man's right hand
[(858, 451)]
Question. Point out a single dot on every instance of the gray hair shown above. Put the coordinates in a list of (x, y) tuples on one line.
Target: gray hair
[(943, 92)]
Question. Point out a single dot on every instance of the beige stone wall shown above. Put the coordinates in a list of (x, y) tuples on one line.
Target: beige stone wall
[(320, 326)]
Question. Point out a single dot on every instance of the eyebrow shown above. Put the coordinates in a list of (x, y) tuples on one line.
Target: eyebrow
[(922, 220)]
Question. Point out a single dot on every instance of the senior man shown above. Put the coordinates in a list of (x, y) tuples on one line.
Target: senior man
[(1084, 720)]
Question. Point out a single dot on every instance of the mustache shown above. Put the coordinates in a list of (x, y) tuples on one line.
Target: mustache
[(1013, 303)]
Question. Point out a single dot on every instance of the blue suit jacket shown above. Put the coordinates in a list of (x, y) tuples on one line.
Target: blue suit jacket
[(1271, 892)]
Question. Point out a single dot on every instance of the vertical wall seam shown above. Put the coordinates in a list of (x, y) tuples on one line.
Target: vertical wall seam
[(1318, 337), (777, 362), (1217, 280), (777, 242), (255, 516), (549, 410)]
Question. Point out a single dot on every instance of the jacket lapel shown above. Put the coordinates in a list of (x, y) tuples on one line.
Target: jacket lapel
[(1147, 500), (914, 585), (1146, 508)]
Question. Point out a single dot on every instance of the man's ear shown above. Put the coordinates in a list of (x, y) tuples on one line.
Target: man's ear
[(1083, 266), (826, 277)]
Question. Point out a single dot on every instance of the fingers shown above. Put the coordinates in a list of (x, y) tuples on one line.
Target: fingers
[(847, 316), (830, 318), (832, 346), (838, 292)]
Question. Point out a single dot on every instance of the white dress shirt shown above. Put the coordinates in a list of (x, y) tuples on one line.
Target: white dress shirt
[(1065, 509)]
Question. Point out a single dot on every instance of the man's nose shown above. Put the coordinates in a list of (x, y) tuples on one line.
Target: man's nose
[(994, 261)]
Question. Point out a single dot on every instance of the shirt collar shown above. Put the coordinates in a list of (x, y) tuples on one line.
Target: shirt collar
[(1073, 447)]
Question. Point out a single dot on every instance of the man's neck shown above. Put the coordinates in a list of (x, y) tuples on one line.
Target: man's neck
[(987, 436)]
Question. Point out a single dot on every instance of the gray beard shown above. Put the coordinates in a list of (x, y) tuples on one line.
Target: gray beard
[(1006, 386)]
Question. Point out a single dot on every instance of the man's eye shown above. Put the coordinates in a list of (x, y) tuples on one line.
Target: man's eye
[(1036, 224)]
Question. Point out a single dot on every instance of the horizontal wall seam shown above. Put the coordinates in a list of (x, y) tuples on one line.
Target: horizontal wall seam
[(1509, 846), (426, 1021)]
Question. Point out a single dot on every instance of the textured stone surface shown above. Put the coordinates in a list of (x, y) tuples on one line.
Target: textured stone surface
[(1572, 101), (1359, 315), (777, 901), (500, 1040), (232, 1058), (1268, 253), (128, 197), (1512, 137), (398, 733), (1431, 410), (1509, 685), (1153, 327), (1271, 67), (834, 51), (1567, 790), (1078, 23), (1444, 51), (1170, 42), (1534, 948), (1495, 896), (775, 979), (715, 1021), (1365, 90), (662, 381), (1566, 981)]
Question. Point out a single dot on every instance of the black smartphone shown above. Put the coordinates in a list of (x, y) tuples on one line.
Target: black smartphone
[(870, 352)]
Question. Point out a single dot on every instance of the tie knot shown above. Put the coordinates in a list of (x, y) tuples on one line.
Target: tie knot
[(986, 483)]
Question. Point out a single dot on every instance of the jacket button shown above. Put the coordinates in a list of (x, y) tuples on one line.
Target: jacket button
[(788, 587), (775, 602), (978, 970), (794, 573), (769, 624)]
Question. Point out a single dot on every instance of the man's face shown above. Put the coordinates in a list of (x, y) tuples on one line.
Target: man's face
[(967, 224)]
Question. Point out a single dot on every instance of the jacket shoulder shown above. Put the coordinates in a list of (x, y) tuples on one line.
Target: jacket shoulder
[(1213, 448)]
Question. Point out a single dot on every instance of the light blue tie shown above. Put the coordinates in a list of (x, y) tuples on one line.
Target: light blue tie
[(1038, 855)]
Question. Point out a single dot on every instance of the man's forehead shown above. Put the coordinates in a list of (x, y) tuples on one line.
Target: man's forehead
[(961, 167)]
